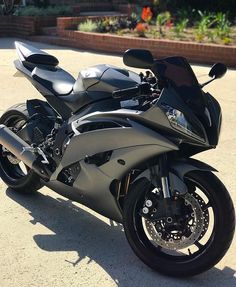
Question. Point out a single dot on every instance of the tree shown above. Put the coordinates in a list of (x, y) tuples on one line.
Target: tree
[(8, 6)]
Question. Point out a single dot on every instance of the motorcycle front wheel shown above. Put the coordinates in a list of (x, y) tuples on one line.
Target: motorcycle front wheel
[(193, 242)]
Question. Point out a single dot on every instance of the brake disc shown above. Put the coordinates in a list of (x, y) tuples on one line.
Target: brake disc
[(176, 239)]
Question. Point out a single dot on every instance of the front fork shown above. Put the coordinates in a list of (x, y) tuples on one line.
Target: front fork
[(163, 174)]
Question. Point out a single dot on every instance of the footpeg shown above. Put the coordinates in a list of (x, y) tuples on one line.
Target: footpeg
[(36, 150)]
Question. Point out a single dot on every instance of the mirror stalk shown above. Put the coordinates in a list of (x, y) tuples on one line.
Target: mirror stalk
[(208, 82)]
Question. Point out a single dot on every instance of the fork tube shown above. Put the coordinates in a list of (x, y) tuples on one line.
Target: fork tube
[(164, 176)]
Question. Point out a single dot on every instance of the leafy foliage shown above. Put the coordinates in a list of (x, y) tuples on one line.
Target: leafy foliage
[(223, 28), (111, 24), (181, 26), (49, 11), (162, 20), (88, 26), (189, 24)]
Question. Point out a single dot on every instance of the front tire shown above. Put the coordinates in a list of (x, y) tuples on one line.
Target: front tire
[(179, 263), (15, 175)]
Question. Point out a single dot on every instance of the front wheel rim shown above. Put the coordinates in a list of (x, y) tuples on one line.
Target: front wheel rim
[(200, 246)]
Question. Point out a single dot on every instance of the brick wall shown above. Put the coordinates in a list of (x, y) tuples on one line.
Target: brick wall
[(20, 26), (16, 26), (195, 52)]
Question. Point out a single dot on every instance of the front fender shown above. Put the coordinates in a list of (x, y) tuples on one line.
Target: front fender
[(178, 169), (183, 166)]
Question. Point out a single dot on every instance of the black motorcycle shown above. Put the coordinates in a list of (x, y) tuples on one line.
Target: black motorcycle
[(120, 143)]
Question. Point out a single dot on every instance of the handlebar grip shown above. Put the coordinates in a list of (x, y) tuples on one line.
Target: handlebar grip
[(125, 93)]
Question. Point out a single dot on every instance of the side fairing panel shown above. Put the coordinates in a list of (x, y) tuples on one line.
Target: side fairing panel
[(93, 142), (129, 145)]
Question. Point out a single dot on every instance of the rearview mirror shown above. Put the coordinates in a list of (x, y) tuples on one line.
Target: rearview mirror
[(138, 58), (217, 71)]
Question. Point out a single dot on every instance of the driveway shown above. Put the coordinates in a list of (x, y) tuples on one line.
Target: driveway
[(47, 240)]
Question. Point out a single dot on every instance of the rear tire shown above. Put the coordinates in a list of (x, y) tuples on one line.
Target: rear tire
[(26, 181), (175, 265)]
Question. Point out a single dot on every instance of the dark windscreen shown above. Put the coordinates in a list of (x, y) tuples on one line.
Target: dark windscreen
[(181, 76)]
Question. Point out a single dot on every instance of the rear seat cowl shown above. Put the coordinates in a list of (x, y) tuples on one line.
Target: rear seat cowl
[(35, 56)]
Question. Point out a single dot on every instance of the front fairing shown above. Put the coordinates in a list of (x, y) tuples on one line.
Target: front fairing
[(189, 114), (186, 128)]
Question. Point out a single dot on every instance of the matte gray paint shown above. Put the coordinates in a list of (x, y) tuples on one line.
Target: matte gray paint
[(90, 143), (92, 186), (133, 145)]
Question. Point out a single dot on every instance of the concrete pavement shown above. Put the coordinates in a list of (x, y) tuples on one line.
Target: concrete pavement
[(47, 240)]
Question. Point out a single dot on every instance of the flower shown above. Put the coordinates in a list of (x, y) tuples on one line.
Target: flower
[(141, 28), (147, 14), (169, 24)]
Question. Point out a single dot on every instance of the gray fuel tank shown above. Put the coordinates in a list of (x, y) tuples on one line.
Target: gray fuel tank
[(105, 78)]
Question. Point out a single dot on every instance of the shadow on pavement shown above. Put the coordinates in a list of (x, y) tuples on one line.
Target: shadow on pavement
[(77, 230)]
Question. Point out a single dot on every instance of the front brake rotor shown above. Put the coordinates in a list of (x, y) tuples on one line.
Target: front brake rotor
[(176, 239)]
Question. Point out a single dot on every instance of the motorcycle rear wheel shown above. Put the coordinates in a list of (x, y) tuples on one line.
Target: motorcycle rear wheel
[(13, 172), (178, 263)]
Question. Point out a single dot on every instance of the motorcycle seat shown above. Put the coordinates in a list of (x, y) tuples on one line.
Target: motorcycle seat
[(57, 81), (35, 56)]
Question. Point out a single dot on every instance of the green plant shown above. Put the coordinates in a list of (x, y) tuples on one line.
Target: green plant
[(223, 28), (132, 21), (109, 24), (213, 26), (207, 20), (162, 19), (113, 25), (28, 11), (88, 26), (181, 26), (59, 10), (187, 13), (49, 11)]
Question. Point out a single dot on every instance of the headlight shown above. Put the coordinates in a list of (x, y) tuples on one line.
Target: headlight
[(179, 121)]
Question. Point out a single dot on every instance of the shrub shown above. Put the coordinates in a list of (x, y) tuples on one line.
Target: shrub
[(49, 11), (181, 26), (222, 29), (161, 20), (88, 26), (207, 20)]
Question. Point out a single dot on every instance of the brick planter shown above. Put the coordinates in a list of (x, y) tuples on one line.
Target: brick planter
[(11, 26), (194, 52), (22, 26), (44, 21)]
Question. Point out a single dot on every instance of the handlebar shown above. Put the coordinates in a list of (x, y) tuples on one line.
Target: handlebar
[(139, 90)]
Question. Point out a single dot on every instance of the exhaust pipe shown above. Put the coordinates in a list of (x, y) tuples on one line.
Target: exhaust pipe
[(23, 151)]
